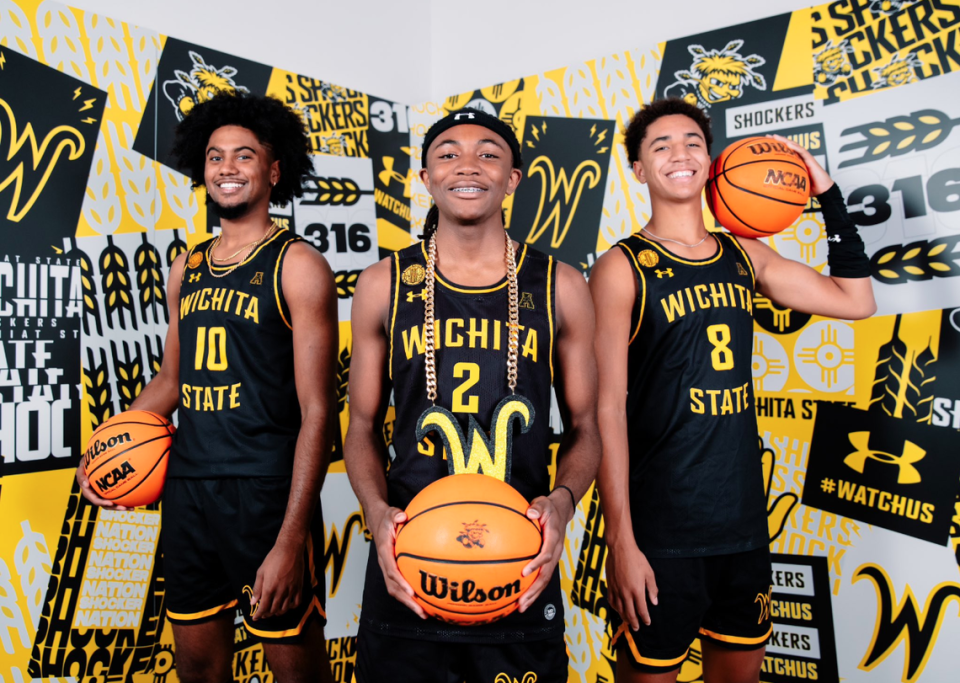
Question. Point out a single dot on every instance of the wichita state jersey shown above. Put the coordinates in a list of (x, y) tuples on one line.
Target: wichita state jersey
[(696, 483), (471, 363), (239, 415)]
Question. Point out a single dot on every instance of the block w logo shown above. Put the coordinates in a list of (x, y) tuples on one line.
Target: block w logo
[(912, 453), (904, 622)]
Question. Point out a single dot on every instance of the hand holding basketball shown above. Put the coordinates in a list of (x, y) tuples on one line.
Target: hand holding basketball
[(384, 538), (554, 528), (820, 180)]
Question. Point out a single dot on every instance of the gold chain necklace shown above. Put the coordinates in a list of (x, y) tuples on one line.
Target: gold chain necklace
[(250, 249), (513, 322), (650, 232)]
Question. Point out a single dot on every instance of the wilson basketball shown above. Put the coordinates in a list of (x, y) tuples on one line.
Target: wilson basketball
[(126, 458), (757, 187), (466, 539)]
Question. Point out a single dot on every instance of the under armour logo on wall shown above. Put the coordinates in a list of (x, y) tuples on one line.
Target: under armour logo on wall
[(466, 114)]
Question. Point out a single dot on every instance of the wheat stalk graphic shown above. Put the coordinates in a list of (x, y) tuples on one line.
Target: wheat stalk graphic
[(923, 260), (97, 383), (107, 46), (346, 281), (154, 359), (88, 285), (891, 359), (117, 288), (15, 31), (903, 380), (176, 247), (331, 192), (101, 203), (146, 260), (181, 198), (60, 37), (898, 135), (129, 373)]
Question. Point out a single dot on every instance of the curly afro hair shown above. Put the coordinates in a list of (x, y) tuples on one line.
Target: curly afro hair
[(276, 126), (637, 128)]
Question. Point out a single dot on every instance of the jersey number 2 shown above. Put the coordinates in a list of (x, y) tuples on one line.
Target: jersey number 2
[(472, 373)]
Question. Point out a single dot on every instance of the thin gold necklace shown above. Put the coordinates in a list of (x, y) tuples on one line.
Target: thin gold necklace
[(250, 249), (667, 239), (513, 322)]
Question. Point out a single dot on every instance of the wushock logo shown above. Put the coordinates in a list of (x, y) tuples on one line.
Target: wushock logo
[(904, 622)]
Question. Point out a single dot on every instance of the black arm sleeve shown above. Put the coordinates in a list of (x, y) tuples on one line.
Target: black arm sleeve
[(845, 253)]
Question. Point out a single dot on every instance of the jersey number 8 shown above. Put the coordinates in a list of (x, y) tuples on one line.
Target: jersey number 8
[(721, 356)]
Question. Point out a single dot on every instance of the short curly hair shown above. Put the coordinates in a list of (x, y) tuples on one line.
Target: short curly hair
[(637, 128), (276, 126)]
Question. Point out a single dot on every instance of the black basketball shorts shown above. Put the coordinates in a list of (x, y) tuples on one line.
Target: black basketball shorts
[(724, 598), (216, 534), (387, 658)]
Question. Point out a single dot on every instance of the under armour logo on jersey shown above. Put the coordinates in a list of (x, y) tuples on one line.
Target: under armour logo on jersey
[(835, 238), (195, 277), (257, 279), (526, 300), (463, 115), (666, 272), (418, 295), (741, 270)]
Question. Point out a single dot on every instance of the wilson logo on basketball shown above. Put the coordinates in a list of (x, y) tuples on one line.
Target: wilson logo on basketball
[(98, 447), (441, 588), (115, 476), (790, 181), (773, 147), (472, 534)]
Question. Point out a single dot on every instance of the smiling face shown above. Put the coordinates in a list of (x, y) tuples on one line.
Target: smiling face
[(469, 172), (673, 159), (239, 172)]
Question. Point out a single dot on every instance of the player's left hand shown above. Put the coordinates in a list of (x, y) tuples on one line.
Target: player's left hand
[(553, 523), (820, 180), (279, 583)]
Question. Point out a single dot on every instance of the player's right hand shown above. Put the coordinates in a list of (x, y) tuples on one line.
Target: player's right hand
[(88, 493), (385, 537), (630, 580)]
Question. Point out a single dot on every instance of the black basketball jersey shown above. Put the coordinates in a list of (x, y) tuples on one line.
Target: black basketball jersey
[(471, 353), (239, 415), (695, 477)]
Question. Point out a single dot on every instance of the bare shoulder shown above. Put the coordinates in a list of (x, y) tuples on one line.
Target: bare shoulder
[(304, 258), (612, 266), (371, 301), (569, 277)]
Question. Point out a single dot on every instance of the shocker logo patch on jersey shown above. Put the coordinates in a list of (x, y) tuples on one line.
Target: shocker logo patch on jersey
[(648, 258), (196, 258), (413, 275)]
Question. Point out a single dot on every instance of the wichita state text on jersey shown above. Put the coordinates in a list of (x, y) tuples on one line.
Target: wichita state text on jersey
[(239, 413), (471, 358), (694, 457)]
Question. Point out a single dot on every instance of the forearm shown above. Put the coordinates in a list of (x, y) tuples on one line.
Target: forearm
[(310, 462), (613, 478), (365, 459), (577, 460), (160, 396)]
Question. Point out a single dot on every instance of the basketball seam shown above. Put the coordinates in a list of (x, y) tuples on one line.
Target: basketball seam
[(761, 161), (466, 562), (476, 502)]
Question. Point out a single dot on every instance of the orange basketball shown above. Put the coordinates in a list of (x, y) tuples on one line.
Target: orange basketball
[(757, 187), (463, 546), (126, 458)]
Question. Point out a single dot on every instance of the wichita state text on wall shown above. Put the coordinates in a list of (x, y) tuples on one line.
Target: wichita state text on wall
[(859, 421)]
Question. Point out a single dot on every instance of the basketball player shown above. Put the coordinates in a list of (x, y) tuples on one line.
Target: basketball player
[(680, 479), (250, 364), (470, 279)]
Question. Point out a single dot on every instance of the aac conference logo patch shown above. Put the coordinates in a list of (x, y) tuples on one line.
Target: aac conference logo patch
[(880, 470)]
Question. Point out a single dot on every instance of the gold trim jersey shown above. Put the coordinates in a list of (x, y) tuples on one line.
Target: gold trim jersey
[(239, 415), (696, 484), (471, 361)]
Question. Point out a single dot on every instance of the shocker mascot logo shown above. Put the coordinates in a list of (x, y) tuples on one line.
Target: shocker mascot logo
[(481, 454), (904, 622), (187, 90), (832, 63), (899, 71), (717, 76)]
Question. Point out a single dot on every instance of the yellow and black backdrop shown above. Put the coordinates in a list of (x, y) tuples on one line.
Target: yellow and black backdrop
[(859, 421)]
